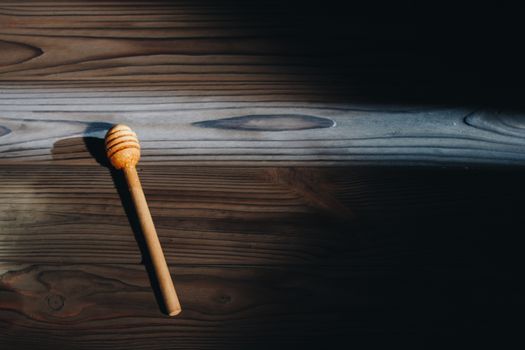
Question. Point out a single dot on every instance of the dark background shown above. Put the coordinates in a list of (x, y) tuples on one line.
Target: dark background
[(413, 51)]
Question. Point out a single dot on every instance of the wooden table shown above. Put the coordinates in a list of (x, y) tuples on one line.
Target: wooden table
[(304, 194)]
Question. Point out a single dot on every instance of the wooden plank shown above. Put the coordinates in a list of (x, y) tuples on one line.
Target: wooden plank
[(238, 84), (264, 255), (103, 306), (220, 41), (207, 132), (87, 306), (249, 216), (159, 43)]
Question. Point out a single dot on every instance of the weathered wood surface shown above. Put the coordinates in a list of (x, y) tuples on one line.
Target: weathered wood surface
[(237, 84), (223, 130), (198, 41), (226, 98), (251, 216), (257, 261), (111, 306), (87, 306)]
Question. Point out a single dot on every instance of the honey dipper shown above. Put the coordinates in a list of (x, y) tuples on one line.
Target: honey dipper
[(123, 151)]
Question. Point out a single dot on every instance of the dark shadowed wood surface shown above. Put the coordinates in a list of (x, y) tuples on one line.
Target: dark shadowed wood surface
[(319, 177), (260, 256)]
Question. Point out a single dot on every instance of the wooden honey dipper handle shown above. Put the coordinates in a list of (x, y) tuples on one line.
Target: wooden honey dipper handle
[(123, 151), (162, 272)]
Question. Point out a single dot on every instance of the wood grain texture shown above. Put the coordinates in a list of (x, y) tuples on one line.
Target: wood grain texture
[(205, 133), (251, 216), (111, 306), (202, 216), (160, 41), (237, 84), (86, 306), (236, 105)]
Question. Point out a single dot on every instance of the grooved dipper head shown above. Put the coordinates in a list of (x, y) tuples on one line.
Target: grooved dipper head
[(122, 146)]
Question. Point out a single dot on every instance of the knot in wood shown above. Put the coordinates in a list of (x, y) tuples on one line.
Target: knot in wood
[(55, 301)]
